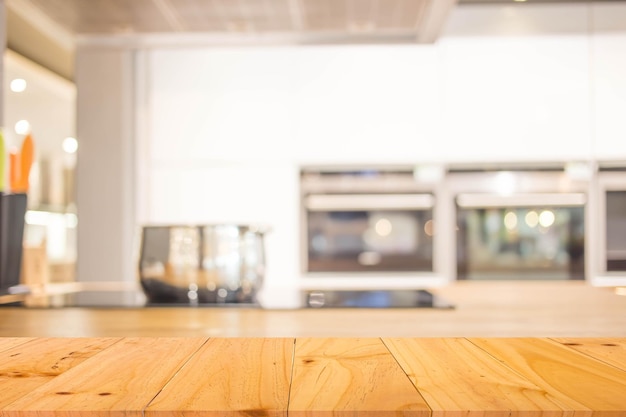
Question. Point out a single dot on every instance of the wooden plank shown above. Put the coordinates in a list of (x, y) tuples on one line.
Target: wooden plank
[(10, 342), (577, 381), (335, 376), (611, 350), (27, 366), (457, 378), (229, 377), (119, 381)]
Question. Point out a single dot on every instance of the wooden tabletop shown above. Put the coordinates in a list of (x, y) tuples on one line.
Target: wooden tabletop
[(483, 309), (312, 376)]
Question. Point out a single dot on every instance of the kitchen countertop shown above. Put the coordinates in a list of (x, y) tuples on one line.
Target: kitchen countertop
[(482, 309), (312, 376)]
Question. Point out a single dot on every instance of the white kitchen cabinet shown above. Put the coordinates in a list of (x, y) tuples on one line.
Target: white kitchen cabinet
[(305, 104), (476, 99), (516, 98), (372, 104), (608, 64), (220, 103)]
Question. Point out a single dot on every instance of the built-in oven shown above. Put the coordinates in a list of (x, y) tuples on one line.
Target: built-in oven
[(610, 229), (517, 224), (367, 220)]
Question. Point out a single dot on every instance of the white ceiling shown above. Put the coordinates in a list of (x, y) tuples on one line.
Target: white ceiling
[(298, 20)]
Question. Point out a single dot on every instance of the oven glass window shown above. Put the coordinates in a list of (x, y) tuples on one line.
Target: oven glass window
[(616, 231), (520, 243), (372, 240)]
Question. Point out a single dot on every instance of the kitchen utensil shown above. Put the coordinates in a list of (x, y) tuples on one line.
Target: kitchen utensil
[(202, 264)]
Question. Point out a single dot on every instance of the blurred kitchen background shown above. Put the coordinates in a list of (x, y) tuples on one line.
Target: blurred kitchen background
[(383, 143)]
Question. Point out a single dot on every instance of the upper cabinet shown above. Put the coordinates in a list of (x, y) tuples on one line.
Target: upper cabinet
[(367, 104), (517, 83), (220, 103), (608, 70), (516, 98)]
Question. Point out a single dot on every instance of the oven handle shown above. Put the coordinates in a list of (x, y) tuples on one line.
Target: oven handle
[(354, 202), (483, 200)]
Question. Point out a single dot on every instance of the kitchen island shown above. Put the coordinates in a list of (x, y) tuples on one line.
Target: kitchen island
[(482, 309), (312, 376)]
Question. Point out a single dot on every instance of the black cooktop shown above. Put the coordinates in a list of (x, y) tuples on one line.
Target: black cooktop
[(374, 299)]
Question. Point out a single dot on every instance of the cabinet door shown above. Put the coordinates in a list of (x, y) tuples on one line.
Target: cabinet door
[(516, 98), (609, 84)]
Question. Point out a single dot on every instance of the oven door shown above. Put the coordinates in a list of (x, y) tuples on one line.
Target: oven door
[(612, 225), (369, 232), (521, 236)]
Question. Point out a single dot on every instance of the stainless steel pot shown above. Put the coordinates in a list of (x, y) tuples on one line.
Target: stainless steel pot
[(202, 264)]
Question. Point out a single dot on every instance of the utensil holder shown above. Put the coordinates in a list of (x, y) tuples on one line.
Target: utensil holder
[(12, 212)]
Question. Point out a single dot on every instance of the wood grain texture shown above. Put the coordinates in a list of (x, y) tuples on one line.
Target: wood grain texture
[(605, 349), (27, 366), (228, 377), (119, 381), (579, 382), (10, 342), (458, 379), (348, 377), (443, 377)]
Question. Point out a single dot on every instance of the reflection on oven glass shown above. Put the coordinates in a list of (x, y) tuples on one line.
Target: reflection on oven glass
[(521, 243), (370, 240), (391, 232), (616, 231)]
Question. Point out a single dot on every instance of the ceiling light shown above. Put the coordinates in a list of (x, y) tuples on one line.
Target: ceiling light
[(22, 127), (519, 1), (70, 145), (18, 85)]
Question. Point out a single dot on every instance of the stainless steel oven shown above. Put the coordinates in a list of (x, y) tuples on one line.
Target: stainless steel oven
[(520, 223), (367, 220), (610, 228)]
